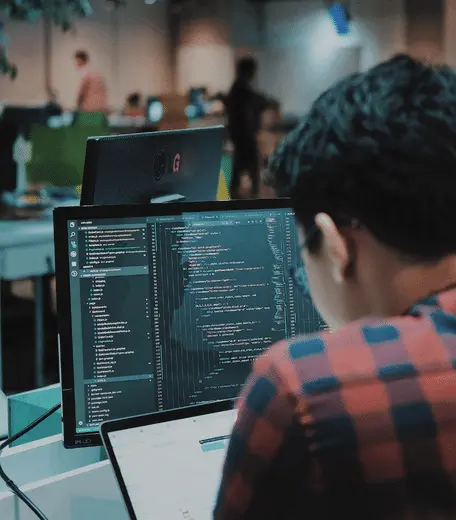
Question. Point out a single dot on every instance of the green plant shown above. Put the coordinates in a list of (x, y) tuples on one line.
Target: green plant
[(60, 12)]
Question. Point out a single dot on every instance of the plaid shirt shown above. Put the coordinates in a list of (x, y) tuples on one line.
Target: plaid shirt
[(360, 423)]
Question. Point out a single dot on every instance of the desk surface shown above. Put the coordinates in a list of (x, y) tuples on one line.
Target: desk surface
[(20, 233), (8, 213), (24, 226), (26, 243)]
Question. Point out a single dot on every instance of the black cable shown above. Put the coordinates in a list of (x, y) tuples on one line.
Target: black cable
[(14, 488)]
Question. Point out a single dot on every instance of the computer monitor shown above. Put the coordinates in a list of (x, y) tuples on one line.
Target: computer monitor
[(15, 121), (24, 117), (164, 306), (175, 165)]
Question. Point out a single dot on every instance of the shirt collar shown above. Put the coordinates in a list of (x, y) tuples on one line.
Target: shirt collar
[(445, 300)]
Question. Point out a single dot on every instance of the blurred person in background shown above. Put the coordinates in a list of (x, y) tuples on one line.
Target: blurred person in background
[(244, 106), (134, 106), (276, 177), (93, 92)]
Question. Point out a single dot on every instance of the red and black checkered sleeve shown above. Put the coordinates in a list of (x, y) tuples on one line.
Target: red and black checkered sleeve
[(266, 411)]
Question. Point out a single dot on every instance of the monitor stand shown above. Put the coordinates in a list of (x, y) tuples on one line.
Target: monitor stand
[(175, 197)]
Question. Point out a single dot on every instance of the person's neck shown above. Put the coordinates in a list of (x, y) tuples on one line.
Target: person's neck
[(415, 282)]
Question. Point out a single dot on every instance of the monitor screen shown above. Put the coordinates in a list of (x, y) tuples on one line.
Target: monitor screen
[(190, 453), (169, 310)]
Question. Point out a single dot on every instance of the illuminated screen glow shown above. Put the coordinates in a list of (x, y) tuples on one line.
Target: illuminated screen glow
[(155, 111)]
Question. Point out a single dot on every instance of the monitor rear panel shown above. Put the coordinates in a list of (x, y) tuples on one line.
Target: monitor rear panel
[(137, 168)]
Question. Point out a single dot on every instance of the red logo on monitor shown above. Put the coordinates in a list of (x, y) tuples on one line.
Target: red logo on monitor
[(176, 163)]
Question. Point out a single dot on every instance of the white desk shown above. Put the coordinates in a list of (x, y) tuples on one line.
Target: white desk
[(27, 251), (65, 484)]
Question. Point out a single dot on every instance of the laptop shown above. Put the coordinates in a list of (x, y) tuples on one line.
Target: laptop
[(168, 166), (168, 464)]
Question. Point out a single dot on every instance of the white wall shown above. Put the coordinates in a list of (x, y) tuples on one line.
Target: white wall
[(450, 33), (296, 44), (26, 50), (303, 54), (425, 29), (129, 47), (381, 28), (205, 56)]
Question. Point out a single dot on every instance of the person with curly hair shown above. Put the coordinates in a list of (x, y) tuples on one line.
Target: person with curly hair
[(360, 422)]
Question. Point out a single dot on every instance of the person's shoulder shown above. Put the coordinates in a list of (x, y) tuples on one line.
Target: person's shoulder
[(323, 354), (358, 334), (311, 345)]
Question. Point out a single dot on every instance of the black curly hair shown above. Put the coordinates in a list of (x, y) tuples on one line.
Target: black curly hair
[(380, 147)]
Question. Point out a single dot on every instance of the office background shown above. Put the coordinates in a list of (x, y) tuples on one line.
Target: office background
[(162, 49)]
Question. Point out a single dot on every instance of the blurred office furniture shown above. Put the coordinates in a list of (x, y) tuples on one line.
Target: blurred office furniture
[(23, 117), (69, 484), (58, 153), (8, 167), (15, 124), (27, 252), (26, 407), (65, 484), (92, 119)]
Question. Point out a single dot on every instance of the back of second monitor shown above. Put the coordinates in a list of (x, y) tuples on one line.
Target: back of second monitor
[(168, 166)]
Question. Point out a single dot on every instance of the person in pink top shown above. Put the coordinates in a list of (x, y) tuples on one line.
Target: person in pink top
[(93, 93)]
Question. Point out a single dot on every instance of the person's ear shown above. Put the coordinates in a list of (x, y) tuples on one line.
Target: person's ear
[(334, 246)]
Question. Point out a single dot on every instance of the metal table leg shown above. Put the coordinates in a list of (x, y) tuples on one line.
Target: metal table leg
[(3, 398), (1, 338), (39, 332), (3, 415)]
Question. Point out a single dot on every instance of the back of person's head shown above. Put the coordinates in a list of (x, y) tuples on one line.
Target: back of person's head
[(246, 69), (379, 149), (134, 99), (82, 57)]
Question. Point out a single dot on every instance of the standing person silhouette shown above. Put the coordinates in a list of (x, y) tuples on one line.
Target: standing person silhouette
[(244, 107)]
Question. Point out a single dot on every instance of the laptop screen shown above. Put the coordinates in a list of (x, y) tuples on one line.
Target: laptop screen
[(172, 469)]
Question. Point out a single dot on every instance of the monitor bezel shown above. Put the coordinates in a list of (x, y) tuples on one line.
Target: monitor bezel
[(140, 421), (62, 216)]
